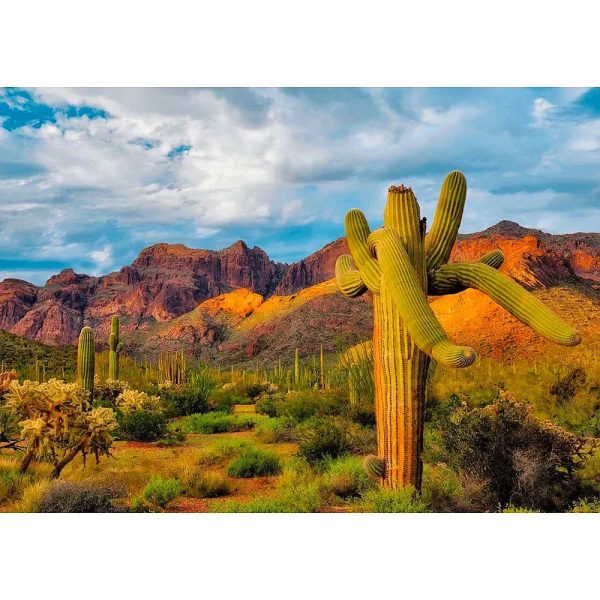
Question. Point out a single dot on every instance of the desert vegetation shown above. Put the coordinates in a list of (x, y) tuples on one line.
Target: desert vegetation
[(383, 425)]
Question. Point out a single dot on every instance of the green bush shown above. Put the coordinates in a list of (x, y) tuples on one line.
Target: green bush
[(586, 506), (11, 482), (346, 477), (401, 500), (218, 423), (254, 462), (303, 405), (209, 484), (161, 491), (275, 431), (320, 438), (68, 497), (142, 426), (106, 393), (522, 460)]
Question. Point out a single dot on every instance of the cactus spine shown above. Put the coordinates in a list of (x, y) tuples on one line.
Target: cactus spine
[(86, 360), (401, 265), (115, 347)]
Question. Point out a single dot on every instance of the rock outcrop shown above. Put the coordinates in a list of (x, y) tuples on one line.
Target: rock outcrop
[(167, 281)]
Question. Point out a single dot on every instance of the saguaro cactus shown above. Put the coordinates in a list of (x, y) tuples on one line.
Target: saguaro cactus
[(86, 360), (401, 265), (115, 347)]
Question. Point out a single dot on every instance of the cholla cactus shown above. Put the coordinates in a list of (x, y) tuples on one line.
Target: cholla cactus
[(401, 265), (57, 422), (132, 400), (6, 378)]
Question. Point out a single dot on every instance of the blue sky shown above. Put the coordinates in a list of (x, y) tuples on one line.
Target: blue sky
[(89, 177)]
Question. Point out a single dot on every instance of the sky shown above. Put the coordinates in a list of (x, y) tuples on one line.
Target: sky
[(89, 177)]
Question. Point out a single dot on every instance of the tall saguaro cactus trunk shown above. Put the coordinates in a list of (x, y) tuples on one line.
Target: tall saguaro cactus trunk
[(86, 360), (115, 347), (401, 266)]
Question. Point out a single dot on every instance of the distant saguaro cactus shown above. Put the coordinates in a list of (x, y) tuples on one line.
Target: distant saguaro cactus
[(86, 360), (401, 266), (115, 347)]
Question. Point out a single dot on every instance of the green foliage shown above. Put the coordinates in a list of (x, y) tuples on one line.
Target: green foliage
[(346, 477), (586, 506), (521, 459), (160, 491), (566, 387), (218, 423), (69, 497), (11, 482), (20, 353), (142, 426), (254, 462), (275, 431), (206, 484), (400, 500), (106, 393), (320, 438)]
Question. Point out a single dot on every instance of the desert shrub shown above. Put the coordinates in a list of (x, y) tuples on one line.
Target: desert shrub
[(129, 401), (31, 497), (221, 452), (322, 437), (68, 497), (254, 462), (445, 490), (180, 402), (174, 436), (296, 498), (218, 423), (400, 500), (302, 405), (160, 491), (586, 506), (517, 509), (346, 477), (142, 426), (11, 482), (523, 460), (107, 392), (57, 422), (277, 430), (566, 387), (205, 484)]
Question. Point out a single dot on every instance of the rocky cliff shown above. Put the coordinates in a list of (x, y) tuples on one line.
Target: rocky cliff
[(169, 280)]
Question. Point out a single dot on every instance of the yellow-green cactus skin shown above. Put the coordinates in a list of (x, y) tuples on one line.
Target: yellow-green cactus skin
[(86, 360), (401, 265), (114, 349)]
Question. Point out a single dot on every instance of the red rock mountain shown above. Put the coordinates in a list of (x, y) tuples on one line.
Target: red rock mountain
[(167, 281)]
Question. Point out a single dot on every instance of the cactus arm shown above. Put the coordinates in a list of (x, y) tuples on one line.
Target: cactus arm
[(348, 277), (494, 259), (357, 234), (510, 295), (442, 285), (119, 347), (446, 221), (403, 284)]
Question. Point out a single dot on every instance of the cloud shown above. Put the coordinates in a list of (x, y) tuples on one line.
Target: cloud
[(92, 175)]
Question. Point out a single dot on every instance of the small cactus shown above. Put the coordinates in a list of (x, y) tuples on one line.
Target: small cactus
[(86, 360), (115, 347)]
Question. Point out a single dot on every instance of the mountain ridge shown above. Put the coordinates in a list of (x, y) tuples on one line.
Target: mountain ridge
[(166, 281)]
